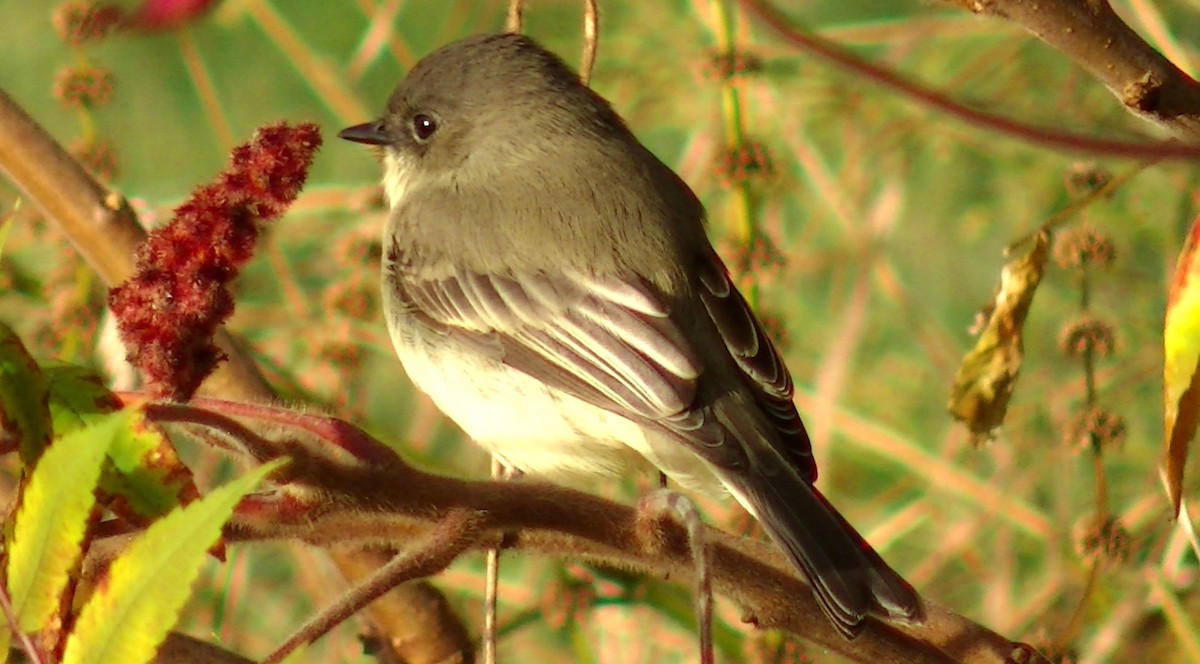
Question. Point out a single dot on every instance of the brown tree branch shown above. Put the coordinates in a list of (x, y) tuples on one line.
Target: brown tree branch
[(374, 506), (1147, 83), (450, 538), (1095, 38), (356, 495)]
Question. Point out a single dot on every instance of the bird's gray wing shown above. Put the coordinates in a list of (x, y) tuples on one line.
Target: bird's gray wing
[(615, 343), (758, 361), (610, 342)]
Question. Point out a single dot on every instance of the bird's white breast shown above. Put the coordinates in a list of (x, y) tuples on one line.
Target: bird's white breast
[(529, 425), (520, 420)]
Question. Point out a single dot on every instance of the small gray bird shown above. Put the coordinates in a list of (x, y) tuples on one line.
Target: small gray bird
[(548, 282)]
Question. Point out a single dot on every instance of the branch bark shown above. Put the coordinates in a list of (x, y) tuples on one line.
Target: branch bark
[(400, 503), (1095, 38), (1143, 80), (342, 486)]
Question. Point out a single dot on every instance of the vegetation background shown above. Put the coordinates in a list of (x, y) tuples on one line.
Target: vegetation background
[(888, 222)]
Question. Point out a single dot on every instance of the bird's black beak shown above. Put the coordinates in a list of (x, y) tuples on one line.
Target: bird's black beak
[(371, 133)]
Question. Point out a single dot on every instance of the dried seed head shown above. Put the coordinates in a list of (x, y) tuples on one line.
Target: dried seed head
[(76, 87), (1095, 429), (1083, 248), (1087, 336), (1106, 541)]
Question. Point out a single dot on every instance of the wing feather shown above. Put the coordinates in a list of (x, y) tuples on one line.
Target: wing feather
[(608, 342), (617, 344), (761, 365)]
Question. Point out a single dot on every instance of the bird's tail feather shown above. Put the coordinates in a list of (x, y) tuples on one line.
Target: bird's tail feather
[(848, 577)]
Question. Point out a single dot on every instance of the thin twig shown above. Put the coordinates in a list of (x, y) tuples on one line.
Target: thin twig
[(205, 88), (451, 536), (1094, 37), (34, 654), (591, 40), (373, 502), (105, 231), (515, 19), (491, 586), (1069, 213), (328, 83)]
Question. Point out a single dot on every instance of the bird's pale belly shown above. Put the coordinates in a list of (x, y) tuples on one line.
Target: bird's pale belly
[(532, 427)]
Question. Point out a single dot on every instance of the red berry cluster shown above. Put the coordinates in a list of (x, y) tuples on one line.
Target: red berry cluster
[(1104, 539), (170, 14), (99, 157), (170, 309), (85, 85), (1083, 179)]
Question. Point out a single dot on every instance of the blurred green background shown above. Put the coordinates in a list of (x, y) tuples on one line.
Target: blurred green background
[(889, 220)]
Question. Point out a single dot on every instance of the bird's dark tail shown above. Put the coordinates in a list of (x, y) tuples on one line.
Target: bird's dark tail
[(848, 577)]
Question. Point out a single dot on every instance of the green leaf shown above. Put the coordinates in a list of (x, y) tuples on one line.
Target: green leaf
[(77, 397), (146, 473), (128, 617), (24, 414), (49, 527)]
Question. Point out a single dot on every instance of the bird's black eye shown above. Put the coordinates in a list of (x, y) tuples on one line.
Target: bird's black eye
[(423, 127)]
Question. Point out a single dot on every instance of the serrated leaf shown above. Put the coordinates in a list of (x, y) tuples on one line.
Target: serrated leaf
[(77, 397), (130, 614), (49, 526), (24, 414), (1181, 353), (147, 479)]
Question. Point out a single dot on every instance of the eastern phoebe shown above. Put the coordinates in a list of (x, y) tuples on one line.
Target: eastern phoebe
[(548, 282)]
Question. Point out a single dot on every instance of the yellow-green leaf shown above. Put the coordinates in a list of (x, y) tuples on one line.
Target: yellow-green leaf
[(77, 397), (1181, 351), (130, 615), (49, 527), (24, 415), (146, 474)]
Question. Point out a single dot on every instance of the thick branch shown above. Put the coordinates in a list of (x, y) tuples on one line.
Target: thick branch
[(1173, 103), (1091, 34), (343, 486)]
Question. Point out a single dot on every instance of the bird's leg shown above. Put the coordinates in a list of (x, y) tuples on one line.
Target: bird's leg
[(667, 505), (491, 584)]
